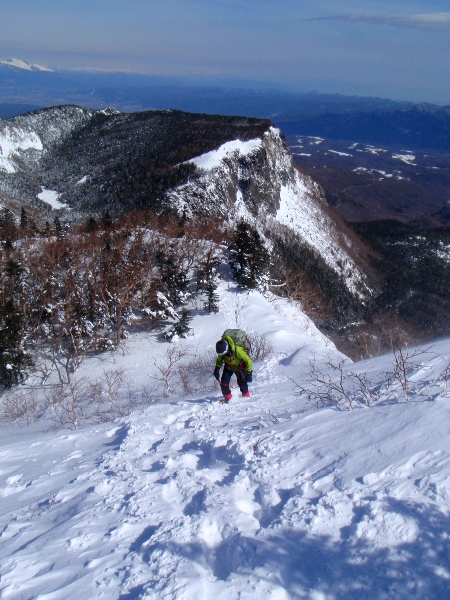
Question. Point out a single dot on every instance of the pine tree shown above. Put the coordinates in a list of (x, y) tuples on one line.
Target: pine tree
[(91, 225), (8, 227), (58, 226), (212, 298), (13, 358), (182, 328), (174, 278), (249, 258), (107, 221), (24, 221), (206, 276)]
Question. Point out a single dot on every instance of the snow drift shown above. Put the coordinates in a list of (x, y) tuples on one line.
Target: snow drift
[(266, 497)]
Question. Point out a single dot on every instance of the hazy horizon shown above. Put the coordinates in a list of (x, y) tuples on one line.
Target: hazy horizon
[(395, 49)]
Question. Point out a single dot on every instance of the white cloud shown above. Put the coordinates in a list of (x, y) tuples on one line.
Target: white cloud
[(439, 20)]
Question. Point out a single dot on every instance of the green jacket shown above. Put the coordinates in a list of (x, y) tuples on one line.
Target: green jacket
[(239, 358)]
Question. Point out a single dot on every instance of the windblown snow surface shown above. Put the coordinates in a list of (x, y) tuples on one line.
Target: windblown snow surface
[(264, 498)]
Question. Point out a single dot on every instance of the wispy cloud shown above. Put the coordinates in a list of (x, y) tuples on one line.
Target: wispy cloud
[(423, 20)]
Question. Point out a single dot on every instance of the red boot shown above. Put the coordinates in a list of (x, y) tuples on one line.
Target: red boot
[(227, 398), (246, 395)]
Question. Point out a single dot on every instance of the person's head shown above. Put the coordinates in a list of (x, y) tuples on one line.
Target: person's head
[(222, 347)]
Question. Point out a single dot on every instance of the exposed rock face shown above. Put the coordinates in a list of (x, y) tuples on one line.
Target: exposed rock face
[(201, 165), (239, 179), (257, 181)]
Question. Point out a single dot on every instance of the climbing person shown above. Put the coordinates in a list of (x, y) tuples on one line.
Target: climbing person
[(236, 360)]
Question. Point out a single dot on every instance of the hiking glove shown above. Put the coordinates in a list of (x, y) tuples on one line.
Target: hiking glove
[(217, 373), (249, 377)]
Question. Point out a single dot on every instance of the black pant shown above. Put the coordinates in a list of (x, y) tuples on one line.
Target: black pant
[(225, 381)]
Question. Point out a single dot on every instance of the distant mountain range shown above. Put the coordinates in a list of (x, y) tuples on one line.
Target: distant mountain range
[(371, 120), (418, 127)]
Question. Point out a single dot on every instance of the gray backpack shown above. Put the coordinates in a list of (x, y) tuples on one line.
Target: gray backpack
[(240, 338)]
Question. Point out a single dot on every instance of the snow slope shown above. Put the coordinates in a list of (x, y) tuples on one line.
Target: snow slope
[(263, 498), (13, 142)]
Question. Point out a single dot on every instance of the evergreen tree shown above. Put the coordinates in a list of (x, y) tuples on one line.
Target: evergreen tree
[(106, 221), (13, 358), (212, 298), (207, 281), (182, 328), (24, 222), (91, 225), (8, 228), (58, 226), (249, 258), (174, 278)]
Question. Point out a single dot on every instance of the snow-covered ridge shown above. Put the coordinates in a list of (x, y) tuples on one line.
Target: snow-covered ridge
[(25, 138), (25, 66), (256, 180), (213, 159), (300, 211)]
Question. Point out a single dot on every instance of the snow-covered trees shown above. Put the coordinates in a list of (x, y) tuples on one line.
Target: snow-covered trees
[(74, 291), (14, 360), (249, 259), (207, 279)]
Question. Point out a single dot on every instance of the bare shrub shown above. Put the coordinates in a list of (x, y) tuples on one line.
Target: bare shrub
[(21, 407), (113, 381), (106, 400), (93, 401), (69, 404), (363, 341), (80, 401), (300, 289), (196, 375), (445, 377), (262, 347), (334, 384), (168, 367), (113, 396), (406, 363), (257, 444), (147, 396)]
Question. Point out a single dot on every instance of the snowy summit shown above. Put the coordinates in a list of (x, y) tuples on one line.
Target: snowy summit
[(22, 64)]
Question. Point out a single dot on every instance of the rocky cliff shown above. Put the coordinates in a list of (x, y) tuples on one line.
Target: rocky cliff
[(257, 181), (84, 162)]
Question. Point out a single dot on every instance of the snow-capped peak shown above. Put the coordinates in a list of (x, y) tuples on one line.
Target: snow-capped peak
[(22, 64)]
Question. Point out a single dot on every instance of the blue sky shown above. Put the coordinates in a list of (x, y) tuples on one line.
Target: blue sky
[(396, 49)]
